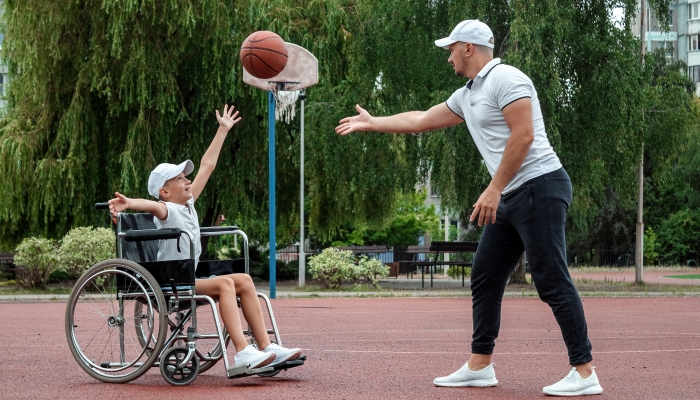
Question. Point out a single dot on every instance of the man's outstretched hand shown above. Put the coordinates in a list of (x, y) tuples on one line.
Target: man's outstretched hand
[(355, 124)]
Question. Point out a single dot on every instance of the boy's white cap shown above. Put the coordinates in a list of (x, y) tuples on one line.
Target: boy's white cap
[(471, 31), (164, 172)]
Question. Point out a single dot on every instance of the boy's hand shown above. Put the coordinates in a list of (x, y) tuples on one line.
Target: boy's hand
[(118, 204), (228, 119)]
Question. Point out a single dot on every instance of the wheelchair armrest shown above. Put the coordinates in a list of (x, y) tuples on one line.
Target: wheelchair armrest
[(217, 230), (152, 234), (101, 206)]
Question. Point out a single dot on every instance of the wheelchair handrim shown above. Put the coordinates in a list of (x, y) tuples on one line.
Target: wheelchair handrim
[(151, 324)]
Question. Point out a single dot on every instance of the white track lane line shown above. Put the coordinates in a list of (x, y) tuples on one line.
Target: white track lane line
[(496, 353)]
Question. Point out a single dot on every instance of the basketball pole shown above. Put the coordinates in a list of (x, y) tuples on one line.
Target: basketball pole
[(271, 189), (302, 256)]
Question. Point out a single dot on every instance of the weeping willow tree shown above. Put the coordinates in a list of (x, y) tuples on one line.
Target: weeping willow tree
[(102, 91)]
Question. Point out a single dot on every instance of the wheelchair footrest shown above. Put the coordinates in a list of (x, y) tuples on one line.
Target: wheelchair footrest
[(243, 371), (290, 364)]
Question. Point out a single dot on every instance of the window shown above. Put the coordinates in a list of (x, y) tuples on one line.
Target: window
[(694, 73), (668, 47), (693, 11), (693, 42), (434, 189)]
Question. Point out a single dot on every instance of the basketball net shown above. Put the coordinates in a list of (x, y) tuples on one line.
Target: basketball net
[(285, 103)]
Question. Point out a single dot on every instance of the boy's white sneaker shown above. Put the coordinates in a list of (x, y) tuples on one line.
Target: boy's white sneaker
[(465, 377), (253, 357), (281, 354), (574, 385)]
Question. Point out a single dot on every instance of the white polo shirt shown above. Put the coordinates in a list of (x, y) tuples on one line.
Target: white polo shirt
[(481, 102), (185, 218)]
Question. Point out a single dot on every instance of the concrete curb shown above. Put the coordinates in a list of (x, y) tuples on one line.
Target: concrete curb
[(24, 298)]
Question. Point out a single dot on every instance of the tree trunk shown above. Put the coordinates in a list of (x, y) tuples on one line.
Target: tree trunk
[(518, 275)]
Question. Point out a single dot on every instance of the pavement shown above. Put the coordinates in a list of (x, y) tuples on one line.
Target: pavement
[(391, 348), (446, 287)]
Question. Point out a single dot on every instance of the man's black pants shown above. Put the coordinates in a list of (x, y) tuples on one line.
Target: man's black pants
[(530, 218)]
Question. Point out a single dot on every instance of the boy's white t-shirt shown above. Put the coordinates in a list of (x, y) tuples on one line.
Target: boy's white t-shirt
[(185, 218)]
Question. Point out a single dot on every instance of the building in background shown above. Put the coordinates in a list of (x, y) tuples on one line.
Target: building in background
[(682, 41)]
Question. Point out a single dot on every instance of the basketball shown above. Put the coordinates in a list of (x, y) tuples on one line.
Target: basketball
[(264, 54)]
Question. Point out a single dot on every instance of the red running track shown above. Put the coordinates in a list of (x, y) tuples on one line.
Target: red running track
[(644, 348)]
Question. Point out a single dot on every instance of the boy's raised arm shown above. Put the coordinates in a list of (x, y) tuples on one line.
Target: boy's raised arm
[(208, 163), (121, 203)]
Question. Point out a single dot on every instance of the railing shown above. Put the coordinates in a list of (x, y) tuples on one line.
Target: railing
[(600, 256)]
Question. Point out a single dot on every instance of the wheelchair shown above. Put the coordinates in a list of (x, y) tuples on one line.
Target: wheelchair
[(128, 314)]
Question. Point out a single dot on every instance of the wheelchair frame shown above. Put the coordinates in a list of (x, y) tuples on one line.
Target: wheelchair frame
[(132, 282)]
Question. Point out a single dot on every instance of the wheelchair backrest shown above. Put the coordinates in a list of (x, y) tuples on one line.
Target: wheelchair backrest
[(138, 252)]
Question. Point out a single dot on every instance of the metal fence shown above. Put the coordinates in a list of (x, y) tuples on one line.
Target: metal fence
[(604, 255)]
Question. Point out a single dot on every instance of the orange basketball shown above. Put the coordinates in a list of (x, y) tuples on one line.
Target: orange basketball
[(264, 54)]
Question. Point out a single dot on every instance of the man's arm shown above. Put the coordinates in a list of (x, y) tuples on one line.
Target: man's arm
[(439, 116), (208, 163), (518, 116), (121, 203)]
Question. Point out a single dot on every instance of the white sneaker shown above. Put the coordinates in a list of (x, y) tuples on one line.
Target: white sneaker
[(253, 357), (465, 377), (282, 354), (574, 385)]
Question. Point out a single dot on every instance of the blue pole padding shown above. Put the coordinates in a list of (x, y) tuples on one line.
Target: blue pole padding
[(273, 227)]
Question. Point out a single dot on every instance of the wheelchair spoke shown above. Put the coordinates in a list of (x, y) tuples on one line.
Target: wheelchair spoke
[(103, 334)]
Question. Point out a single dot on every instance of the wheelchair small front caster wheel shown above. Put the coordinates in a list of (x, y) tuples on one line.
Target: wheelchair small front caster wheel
[(270, 374), (173, 373)]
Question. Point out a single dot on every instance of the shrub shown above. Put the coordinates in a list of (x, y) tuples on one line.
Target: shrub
[(83, 247), (455, 271), (59, 275), (370, 268), (679, 237), (332, 267), (650, 254), (35, 259), (228, 253)]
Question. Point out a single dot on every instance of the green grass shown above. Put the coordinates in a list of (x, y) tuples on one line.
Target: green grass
[(689, 276), (664, 268)]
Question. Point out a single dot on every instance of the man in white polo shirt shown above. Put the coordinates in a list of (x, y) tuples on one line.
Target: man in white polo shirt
[(524, 207)]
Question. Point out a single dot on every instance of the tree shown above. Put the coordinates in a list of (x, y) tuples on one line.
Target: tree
[(104, 90)]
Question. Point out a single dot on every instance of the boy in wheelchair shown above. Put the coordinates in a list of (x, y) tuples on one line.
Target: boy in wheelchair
[(174, 208)]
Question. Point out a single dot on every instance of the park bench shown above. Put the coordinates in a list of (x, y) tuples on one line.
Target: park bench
[(7, 257), (436, 248)]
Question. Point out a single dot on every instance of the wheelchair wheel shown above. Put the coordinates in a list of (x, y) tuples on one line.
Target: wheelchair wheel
[(101, 334), (173, 373)]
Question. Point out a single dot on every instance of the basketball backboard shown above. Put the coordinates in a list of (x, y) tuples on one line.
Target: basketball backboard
[(300, 72)]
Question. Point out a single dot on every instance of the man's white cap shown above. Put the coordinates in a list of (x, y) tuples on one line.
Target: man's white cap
[(471, 31), (164, 172)]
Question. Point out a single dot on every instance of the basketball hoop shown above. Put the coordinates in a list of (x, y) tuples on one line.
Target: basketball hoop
[(285, 100)]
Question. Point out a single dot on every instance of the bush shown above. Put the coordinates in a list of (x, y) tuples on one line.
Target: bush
[(59, 276), (228, 253), (370, 268), (332, 267), (650, 254), (35, 259), (679, 237), (455, 271), (84, 247)]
